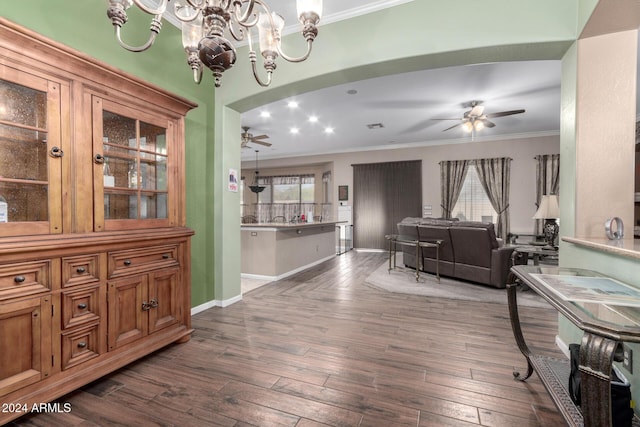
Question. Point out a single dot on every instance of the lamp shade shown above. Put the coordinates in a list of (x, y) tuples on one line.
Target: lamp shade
[(548, 207)]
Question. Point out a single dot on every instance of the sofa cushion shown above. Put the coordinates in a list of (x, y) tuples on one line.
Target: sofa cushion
[(434, 232), (472, 245), (484, 225)]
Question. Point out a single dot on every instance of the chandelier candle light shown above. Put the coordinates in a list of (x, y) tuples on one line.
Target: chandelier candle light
[(204, 23)]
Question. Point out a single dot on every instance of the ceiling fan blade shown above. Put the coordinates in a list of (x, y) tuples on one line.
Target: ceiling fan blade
[(266, 144), (451, 127), (504, 113), (260, 137), (445, 119), (487, 123)]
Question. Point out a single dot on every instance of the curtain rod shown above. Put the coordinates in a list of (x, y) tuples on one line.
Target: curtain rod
[(475, 160), (386, 163)]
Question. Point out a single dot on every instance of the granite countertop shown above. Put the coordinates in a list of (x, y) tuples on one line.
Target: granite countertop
[(289, 225), (628, 247)]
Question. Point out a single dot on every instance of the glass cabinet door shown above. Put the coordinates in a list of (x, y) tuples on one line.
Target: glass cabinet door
[(134, 180), (30, 154)]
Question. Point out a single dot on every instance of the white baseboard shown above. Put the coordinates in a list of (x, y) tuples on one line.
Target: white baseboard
[(215, 303), (562, 346), (288, 273), (225, 303)]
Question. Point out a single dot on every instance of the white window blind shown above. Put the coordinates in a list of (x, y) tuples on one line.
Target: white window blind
[(473, 203)]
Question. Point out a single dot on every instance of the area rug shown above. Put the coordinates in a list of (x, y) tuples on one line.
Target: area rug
[(403, 280)]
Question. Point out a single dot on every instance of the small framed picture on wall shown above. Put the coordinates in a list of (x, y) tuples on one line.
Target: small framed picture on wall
[(343, 192)]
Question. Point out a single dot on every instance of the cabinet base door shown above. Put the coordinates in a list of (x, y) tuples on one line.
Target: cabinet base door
[(163, 289), (23, 359), (126, 320)]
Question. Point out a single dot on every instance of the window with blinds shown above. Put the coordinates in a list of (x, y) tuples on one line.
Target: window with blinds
[(473, 203)]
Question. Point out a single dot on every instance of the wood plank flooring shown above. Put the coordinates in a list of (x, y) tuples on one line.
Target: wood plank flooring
[(322, 348)]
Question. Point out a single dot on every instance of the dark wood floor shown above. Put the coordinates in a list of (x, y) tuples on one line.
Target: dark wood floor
[(322, 348)]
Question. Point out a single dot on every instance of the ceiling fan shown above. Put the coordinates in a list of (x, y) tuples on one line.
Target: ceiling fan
[(247, 138), (476, 119)]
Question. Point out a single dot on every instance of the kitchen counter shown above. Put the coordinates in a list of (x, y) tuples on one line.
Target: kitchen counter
[(274, 251)]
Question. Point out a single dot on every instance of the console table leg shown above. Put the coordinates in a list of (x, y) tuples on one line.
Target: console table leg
[(515, 325), (438, 262), (596, 357), (419, 260)]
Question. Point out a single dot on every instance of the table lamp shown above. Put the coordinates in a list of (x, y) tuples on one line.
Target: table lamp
[(549, 211)]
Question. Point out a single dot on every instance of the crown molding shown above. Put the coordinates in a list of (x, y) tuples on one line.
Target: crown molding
[(513, 136), (327, 19)]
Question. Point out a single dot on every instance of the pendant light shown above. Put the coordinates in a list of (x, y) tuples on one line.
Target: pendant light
[(256, 188)]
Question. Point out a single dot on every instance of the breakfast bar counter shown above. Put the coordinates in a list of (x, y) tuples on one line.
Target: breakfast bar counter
[(277, 250)]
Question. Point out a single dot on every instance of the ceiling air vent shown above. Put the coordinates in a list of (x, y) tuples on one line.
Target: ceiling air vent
[(375, 126)]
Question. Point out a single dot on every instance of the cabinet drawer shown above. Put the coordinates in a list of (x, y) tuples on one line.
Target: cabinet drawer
[(24, 279), (79, 345), (80, 307), (139, 260), (80, 270)]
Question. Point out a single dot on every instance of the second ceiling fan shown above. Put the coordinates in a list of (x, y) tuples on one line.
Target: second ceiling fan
[(476, 119), (247, 138)]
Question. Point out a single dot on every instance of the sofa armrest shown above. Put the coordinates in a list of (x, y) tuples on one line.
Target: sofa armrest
[(500, 265)]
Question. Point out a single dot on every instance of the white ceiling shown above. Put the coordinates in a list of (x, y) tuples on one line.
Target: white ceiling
[(405, 104)]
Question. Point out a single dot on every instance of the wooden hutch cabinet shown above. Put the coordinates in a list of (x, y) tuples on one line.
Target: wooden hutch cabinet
[(94, 252)]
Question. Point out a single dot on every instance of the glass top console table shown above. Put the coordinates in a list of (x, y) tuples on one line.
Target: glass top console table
[(607, 310)]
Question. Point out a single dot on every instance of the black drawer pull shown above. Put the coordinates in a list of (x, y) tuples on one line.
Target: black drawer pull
[(127, 262), (82, 344), (19, 279), (165, 256), (81, 270), (82, 306)]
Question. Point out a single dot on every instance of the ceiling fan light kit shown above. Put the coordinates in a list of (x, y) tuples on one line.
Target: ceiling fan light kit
[(204, 23)]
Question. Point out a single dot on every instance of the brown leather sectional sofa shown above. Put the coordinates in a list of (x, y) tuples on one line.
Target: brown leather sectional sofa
[(469, 250)]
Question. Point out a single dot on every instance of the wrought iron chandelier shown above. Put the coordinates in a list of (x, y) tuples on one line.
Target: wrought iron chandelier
[(204, 23)]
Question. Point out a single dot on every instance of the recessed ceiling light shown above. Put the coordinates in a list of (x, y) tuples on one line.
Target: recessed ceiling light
[(294, 130), (265, 114), (292, 104), (352, 91), (313, 119), (328, 130)]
